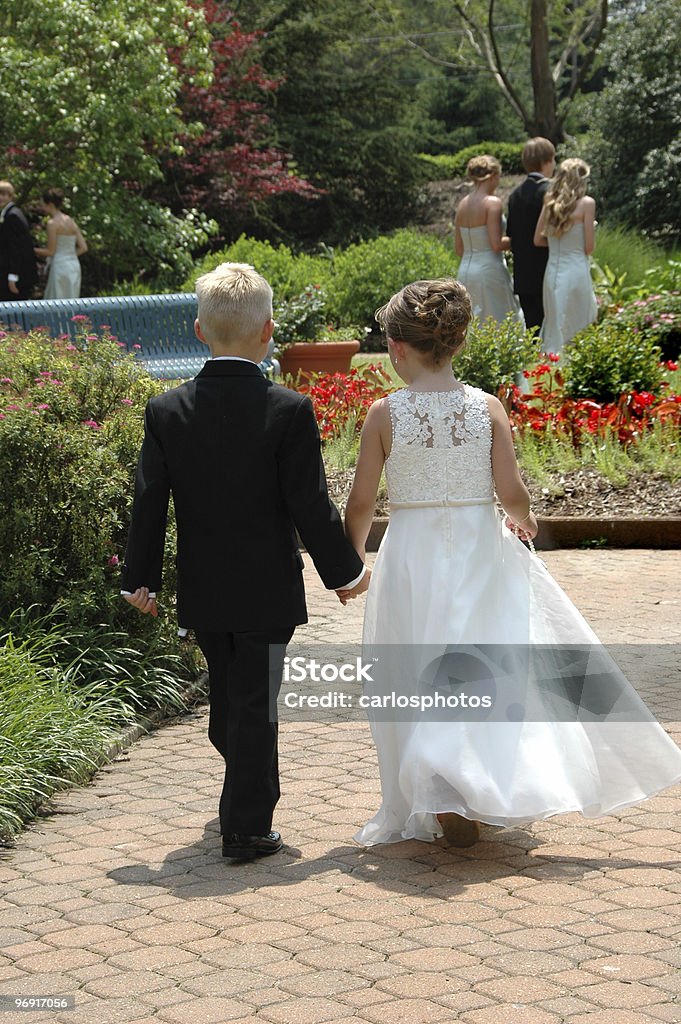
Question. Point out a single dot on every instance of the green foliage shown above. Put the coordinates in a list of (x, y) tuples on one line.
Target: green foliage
[(656, 318), (636, 123), (494, 353), (546, 457), (287, 273), (444, 165), (664, 278), (607, 359), (355, 281), (50, 732), (89, 99), (70, 433), (299, 318), (365, 275), (65, 693), (340, 112), (450, 111), (627, 253)]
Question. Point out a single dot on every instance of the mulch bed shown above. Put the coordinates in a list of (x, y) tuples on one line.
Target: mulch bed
[(582, 492)]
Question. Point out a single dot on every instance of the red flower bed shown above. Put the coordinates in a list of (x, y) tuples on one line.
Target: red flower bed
[(547, 407), (339, 397)]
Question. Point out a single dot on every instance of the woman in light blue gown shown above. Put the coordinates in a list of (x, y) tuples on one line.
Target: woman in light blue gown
[(480, 242), (65, 243), (566, 224)]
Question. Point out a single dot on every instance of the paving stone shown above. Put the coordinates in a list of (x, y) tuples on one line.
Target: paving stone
[(304, 1011), (520, 989), (120, 894), (612, 1017), (670, 1012), (514, 1014), (628, 967), (208, 1011), (620, 994), (406, 1011)]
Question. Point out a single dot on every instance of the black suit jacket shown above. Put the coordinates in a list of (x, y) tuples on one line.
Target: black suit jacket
[(529, 260), (242, 458), (16, 254)]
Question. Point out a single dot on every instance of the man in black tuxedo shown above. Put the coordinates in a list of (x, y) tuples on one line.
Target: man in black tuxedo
[(242, 458), (18, 266), (524, 206)]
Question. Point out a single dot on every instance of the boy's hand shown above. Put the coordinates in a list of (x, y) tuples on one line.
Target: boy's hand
[(141, 600), (347, 595)]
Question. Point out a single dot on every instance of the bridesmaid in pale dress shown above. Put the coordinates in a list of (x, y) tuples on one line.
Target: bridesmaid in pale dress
[(480, 242), (65, 243), (567, 225)]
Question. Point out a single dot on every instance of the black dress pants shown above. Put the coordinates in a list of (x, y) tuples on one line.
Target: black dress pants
[(245, 672), (532, 305)]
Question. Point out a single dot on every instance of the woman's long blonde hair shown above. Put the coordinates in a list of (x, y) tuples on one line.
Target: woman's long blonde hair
[(566, 189)]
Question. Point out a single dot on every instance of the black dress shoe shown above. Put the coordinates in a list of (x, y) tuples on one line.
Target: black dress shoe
[(247, 847)]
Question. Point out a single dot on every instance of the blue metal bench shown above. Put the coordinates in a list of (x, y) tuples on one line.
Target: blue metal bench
[(162, 325)]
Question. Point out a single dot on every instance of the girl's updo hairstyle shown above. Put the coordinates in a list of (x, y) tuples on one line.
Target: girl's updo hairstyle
[(54, 196), (430, 316), (480, 168)]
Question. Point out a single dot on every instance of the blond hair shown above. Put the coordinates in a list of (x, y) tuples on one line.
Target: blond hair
[(480, 168), (566, 189), (7, 186), (430, 316), (235, 302), (536, 153)]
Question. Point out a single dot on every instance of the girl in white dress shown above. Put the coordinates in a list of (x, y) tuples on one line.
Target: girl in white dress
[(566, 224), (65, 243), (480, 242), (567, 732)]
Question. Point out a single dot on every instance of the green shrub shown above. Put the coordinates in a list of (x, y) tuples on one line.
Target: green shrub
[(300, 318), (607, 359), (50, 732), (365, 275), (70, 431), (628, 254), (444, 165), (495, 353), (656, 318), (287, 273), (64, 695), (663, 278)]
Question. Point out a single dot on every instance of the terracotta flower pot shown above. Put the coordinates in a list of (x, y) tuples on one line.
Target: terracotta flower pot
[(309, 357)]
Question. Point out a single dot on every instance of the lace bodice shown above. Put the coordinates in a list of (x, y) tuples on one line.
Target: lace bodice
[(441, 446)]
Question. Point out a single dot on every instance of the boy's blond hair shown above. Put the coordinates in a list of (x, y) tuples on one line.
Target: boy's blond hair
[(536, 153), (235, 302), (8, 187)]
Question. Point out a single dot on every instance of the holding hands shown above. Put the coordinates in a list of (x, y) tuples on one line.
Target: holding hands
[(347, 595)]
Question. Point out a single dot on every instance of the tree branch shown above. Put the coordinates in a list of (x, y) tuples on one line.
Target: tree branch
[(587, 62), (578, 37), (486, 45)]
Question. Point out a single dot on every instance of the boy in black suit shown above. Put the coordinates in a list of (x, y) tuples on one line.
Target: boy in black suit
[(524, 206), (242, 458), (18, 266)]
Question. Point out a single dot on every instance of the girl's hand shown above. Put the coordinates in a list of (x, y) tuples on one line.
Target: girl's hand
[(528, 530)]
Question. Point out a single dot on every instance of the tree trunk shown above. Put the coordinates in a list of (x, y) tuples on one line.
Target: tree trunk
[(545, 115)]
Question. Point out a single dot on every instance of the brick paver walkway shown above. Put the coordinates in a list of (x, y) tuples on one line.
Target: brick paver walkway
[(121, 897)]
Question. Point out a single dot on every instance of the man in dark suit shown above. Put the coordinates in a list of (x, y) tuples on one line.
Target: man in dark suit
[(524, 206), (242, 458), (18, 266)]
